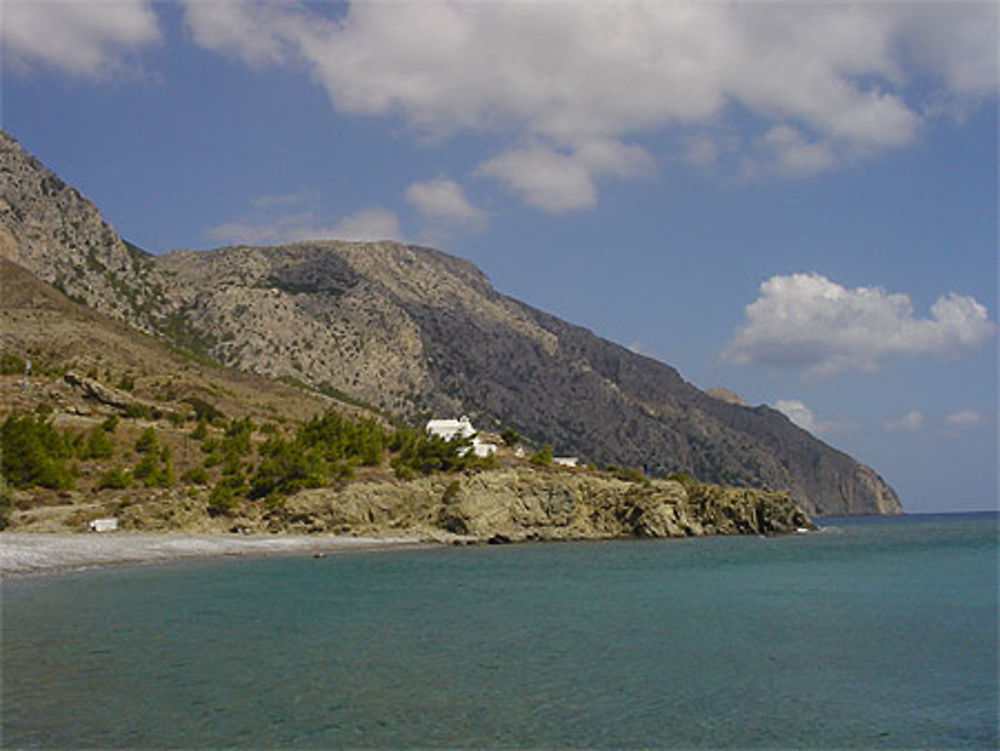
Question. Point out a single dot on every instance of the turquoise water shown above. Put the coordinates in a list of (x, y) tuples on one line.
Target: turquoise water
[(873, 633)]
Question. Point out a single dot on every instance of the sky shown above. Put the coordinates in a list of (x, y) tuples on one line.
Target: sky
[(795, 201)]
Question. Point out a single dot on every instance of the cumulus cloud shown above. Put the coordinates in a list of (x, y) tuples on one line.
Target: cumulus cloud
[(966, 418), (802, 415), (828, 83), (81, 38), (555, 181), (443, 199), (807, 321), (367, 224), (908, 423)]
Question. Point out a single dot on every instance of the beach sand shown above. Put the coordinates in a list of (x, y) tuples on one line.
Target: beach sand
[(24, 554)]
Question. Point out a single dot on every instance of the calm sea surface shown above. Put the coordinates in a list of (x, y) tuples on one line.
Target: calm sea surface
[(872, 633)]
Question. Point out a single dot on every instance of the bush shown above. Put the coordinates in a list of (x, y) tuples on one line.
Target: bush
[(195, 476), (98, 445), (510, 437), (423, 453), (115, 478), (136, 411), (11, 364), (34, 453), (204, 411), (543, 456), (222, 499), (110, 424), (200, 431), (682, 477), (286, 467), (6, 504), (147, 443)]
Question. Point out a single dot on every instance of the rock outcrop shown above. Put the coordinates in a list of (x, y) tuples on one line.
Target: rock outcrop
[(414, 331), (504, 505)]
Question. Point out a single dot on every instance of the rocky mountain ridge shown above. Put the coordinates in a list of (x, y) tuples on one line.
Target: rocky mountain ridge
[(414, 332)]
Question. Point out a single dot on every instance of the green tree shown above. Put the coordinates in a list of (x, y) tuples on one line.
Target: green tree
[(147, 443), (98, 445), (115, 478), (543, 456), (33, 452), (510, 437)]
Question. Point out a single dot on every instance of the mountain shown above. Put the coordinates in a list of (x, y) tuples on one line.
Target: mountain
[(413, 331)]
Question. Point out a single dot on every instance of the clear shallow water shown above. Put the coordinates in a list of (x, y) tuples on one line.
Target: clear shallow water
[(873, 633)]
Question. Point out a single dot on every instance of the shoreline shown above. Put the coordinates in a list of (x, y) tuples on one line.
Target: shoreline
[(24, 554)]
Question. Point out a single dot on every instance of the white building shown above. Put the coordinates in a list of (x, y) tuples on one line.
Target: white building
[(566, 461), (109, 524), (462, 427)]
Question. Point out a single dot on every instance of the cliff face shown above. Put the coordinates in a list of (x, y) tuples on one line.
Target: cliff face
[(414, 331), (507, 505)]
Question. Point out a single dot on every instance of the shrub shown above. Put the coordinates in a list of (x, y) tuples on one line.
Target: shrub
[(631, 474), (510, 437), (200, 431), (11, 364), (110, 424), (33, 452), (195, 476), (420, 452), (147, 443), (285, 468), (98, 445), (115, 478), (204, 411), (6, 504), (222, 499), (682, 477), (543, 456), (136, 411)]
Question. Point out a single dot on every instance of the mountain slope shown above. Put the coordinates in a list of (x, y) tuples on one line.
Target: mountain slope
[(415, 331)]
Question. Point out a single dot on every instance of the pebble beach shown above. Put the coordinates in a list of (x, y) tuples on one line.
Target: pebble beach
[(23, 554)]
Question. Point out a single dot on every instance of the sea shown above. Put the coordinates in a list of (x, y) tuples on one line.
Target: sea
[(870, 633)]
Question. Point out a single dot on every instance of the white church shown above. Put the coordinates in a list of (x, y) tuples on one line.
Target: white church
[(448, 429)]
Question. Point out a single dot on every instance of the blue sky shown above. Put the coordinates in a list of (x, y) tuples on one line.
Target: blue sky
[(798, 202)]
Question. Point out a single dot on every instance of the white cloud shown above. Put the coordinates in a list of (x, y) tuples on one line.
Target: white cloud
[(544, 178), (807, 321), (828, 83), (793, 154), (367, 224), (966, 418), (908, 423), (801, 415), (555, 181), (258, 33), (444, 199), (81, 38)]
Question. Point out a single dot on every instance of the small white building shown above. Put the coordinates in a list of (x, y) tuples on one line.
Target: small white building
[(109, 524), (566, 461), (462, 427)]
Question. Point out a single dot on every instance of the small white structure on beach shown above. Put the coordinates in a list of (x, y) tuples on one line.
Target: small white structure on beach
[(462, 427), (109, 524)]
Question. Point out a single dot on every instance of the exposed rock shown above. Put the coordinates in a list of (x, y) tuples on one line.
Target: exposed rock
[(91, 389)]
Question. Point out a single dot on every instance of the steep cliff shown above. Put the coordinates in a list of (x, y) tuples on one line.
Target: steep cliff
[(414, 331)]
